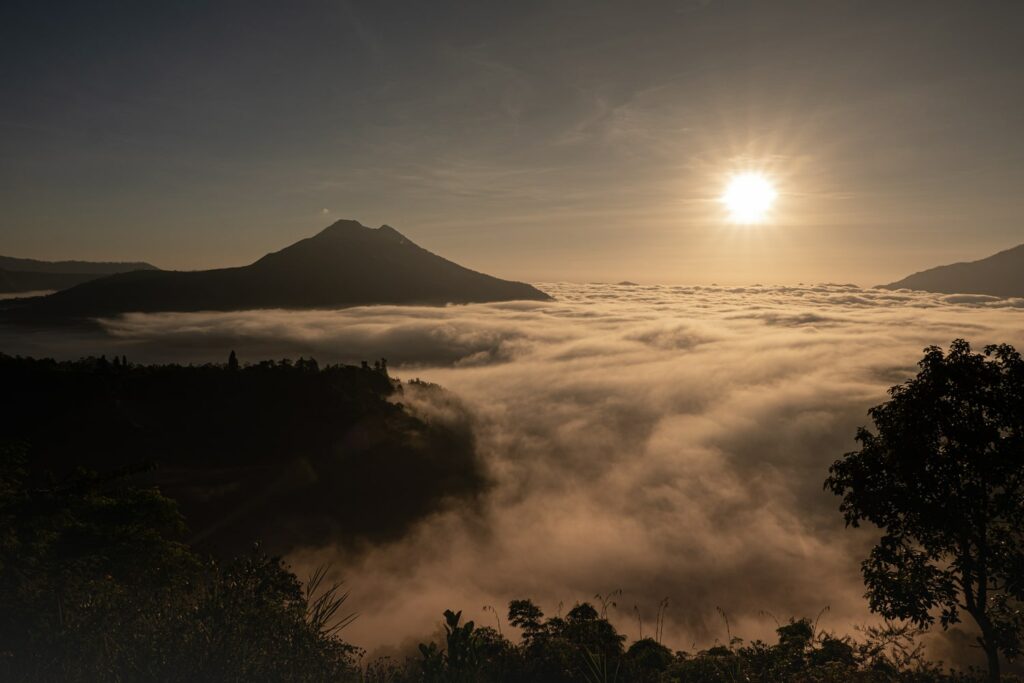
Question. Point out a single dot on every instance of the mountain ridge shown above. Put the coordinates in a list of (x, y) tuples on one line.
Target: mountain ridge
[(1001, 274), (30, 265), (26, 275), (346, 264)]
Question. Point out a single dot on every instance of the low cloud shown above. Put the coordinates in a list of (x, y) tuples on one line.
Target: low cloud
[(665, 441)]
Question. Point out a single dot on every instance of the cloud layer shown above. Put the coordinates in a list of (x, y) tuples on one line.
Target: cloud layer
[(665, 441)]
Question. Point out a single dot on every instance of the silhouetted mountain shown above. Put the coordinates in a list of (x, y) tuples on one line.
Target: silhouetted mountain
[(26, 275), (13, 281), (347, 264), (1001, 274), (28, 265)]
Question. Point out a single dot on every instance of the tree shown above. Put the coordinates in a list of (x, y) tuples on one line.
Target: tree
[(646, 659), (232, 361), (944, 479), (96, 586), (525, 615)]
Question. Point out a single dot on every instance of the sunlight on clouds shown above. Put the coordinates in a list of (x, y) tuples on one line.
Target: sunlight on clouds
[(668, 441)]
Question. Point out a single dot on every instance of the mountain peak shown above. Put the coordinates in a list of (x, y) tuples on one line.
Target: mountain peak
[(346, 264), (345, 225), (392, 234), (348, 227)]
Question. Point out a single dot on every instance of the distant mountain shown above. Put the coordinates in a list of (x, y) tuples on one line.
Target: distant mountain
[(28, 265), (12, 281), (26, 275), (1001, 274), (347, 264)]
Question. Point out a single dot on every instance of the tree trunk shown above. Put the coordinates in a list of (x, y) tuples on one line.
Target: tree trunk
[(976, 608), (992, 653)]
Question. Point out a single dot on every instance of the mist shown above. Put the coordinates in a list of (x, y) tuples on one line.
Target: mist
[(659, 441)]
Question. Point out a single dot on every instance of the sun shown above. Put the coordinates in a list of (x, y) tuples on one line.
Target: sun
[(749, 197)]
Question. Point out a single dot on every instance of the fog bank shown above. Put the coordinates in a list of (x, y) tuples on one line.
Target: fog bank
[(665, 441)]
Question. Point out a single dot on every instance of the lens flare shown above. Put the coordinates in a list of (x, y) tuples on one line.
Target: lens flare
[(749, 197)]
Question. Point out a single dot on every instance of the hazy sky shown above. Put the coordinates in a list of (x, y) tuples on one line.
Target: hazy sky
[(539, 141)]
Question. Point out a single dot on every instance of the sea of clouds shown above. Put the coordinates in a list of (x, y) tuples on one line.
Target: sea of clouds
[(660, 441)]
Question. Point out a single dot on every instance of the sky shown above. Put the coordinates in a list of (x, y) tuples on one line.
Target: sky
[(540, 141)]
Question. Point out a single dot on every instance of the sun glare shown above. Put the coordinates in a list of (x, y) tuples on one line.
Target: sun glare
[(748, 197)]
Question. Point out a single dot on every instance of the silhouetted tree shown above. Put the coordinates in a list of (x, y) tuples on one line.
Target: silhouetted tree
[(232, 361), (95, 585), (647, 659), (307, 365), (944, 478), (525, 615), (550, 651)]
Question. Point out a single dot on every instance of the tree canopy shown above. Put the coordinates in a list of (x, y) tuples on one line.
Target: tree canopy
[(287, 451), (97, 585), (943, 476)]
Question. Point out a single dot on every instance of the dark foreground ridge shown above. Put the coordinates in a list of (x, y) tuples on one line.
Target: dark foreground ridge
[(347, 264), (1001, 274), (284, 452)]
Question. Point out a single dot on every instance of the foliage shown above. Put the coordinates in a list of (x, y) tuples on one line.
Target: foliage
[(289, 452), (944, 479), (95, 585), (552, 651)]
